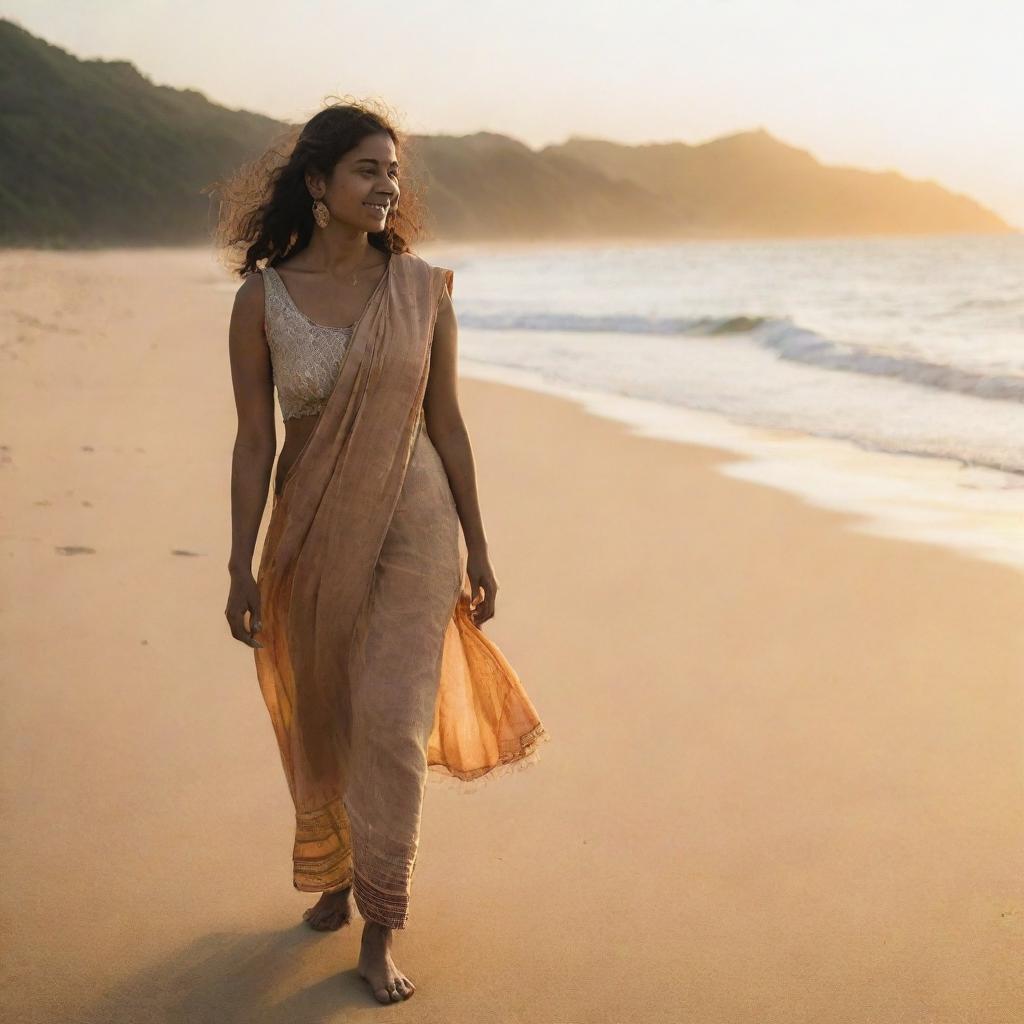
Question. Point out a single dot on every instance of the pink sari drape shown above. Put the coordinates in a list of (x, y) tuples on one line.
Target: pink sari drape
[(361, 549)]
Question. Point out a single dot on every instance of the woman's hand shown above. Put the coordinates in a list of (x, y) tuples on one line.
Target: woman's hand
[(481, 577), (244, 597)]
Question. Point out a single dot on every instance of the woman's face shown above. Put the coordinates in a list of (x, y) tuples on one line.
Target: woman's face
[(363, 187)]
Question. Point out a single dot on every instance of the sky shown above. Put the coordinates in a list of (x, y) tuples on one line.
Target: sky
[(933, 89)]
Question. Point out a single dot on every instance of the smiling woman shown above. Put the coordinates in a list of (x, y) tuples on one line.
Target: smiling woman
[(368, 166), (365, 614), (380, 201)]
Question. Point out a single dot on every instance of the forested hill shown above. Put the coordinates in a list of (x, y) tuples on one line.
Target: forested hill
[(94, 153)]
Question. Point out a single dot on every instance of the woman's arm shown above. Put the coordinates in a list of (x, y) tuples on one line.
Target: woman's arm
[(253, 456), (450, 437)]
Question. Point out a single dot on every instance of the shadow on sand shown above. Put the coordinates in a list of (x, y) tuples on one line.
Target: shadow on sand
[(296, 976)]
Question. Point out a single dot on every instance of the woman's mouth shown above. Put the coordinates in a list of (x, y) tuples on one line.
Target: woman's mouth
[(380, 208)]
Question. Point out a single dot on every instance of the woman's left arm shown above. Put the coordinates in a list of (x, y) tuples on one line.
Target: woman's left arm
[(448, 434)]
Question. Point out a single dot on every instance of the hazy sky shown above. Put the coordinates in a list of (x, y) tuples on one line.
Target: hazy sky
[(931, 88)]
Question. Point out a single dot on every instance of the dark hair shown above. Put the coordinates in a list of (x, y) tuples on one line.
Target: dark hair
[(265, 209)]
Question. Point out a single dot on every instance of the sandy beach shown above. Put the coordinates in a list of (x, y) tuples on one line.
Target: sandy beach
[(785, 781)]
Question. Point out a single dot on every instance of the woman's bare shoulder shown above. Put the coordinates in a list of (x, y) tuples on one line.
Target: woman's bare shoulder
[(252, 282), (250, 294), (247, 314)]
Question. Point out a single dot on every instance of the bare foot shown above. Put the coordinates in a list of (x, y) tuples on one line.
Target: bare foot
[(331, 912), (376, 967)]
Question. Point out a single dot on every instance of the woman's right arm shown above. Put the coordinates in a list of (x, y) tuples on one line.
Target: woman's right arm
[(253, 456)]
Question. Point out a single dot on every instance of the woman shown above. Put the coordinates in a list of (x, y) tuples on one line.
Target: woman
[(366, 610)]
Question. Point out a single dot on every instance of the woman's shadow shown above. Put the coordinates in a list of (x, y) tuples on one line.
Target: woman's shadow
[(242, 978)]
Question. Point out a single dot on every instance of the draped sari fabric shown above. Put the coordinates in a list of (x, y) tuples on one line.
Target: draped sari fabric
[(372, 670)]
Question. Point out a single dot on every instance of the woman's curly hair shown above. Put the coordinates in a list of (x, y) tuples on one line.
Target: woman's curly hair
[(265, 209)]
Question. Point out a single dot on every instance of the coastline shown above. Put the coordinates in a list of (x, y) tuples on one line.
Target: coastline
[(973, 510), (784, 768)]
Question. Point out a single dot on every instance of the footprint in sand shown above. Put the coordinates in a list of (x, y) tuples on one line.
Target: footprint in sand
[(187, 554), (74, 549)]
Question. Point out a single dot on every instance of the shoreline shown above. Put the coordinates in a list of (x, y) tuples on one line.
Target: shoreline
[(973, 510)]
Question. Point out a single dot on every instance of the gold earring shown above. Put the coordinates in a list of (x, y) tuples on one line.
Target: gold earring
[(320, 213)]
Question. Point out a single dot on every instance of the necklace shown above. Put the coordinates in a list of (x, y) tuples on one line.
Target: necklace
[(356, 269)]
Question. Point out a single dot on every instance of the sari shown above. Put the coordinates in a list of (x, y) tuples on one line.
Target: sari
[(372, 670)]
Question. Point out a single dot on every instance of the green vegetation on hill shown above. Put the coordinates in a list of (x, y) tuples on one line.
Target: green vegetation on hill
[(92, 152)]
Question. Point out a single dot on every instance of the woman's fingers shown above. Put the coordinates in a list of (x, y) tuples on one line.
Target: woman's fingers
[(242, 600), (483, 608), (236, 622), (254, 625)]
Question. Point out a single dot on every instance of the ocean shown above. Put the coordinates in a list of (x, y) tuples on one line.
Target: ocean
[(882, 377)]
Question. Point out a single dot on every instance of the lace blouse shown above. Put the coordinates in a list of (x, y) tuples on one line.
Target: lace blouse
[(305, 356)]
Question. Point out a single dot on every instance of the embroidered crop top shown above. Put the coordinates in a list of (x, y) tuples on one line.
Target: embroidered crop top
[(305, 356)]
